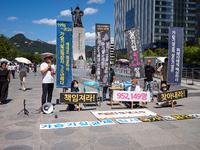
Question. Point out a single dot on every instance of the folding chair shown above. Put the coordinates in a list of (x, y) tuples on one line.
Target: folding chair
[(98, 94)]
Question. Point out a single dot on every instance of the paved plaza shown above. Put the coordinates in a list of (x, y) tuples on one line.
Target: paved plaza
[(22, 132)]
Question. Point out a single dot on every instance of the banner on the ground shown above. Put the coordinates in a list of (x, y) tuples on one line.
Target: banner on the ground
[(64, 54), (131, 96), (134, 49), (182, 117), (133, 120), (195, 115), (123, 113), (78, 97), (102, 44), (175, 54), (172, 95), (76, 124), (150, 119)]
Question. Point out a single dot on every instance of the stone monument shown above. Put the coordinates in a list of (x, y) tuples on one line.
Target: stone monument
[(79, 59)]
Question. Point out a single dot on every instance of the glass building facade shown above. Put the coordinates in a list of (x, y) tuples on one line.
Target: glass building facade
[(197, 21), (153, 17)]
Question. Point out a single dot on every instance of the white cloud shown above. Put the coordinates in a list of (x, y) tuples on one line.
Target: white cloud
[(30, 32), (89, 11), (66, 13), (12, 18), (47, 21), (52, 42), (93, 28), (4, 30), (89, 37), (17, 32), (96, 1)]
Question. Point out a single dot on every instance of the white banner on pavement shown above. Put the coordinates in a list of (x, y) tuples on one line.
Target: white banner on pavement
[(123, 113), (131, 96), (133, 120)]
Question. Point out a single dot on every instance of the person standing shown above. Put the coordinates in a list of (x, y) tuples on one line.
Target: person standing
[(35, 68), (112, 80), (48, 71), (93, 71), (162, 70), (22, 76), (4, 82), (148, 81), (13, 68)]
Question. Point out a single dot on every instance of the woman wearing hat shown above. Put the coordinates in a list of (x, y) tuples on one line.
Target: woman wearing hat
[(4, 82), (164, 88), (48, 71)]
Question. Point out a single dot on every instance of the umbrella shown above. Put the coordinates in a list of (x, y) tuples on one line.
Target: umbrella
[(23, 60), (4, 59)]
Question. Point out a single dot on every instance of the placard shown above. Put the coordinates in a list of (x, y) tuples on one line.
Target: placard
[(102, 43), (182, 117), (133, 120), (123, 113), (150, 119), (78, 97), (134, 49), (172, 95), (131, 96), (175, 54), (64, 54), (169, 118)]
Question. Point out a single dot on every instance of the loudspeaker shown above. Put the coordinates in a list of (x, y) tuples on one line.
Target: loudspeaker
[(47, 108)]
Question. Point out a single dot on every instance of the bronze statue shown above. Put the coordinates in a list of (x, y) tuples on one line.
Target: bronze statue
[(78, 14)]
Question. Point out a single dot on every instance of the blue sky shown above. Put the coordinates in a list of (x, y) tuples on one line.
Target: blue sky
[(36, 19)]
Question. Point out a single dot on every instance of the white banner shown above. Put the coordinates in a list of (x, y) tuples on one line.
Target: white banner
[(131, 96), (123, 113)]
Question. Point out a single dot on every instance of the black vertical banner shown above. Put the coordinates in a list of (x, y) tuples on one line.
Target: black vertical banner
[(175, 54), (102, 42), (135, 53)]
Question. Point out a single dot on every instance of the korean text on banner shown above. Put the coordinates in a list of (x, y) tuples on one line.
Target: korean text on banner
[(131, 96), (64, 54), (135, 53), (175, 54), (102, 42)]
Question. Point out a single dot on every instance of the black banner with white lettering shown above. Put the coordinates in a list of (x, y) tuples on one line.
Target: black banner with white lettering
[(175, 54), (135, 53), (172, 95), (78, 97), (102, 43)]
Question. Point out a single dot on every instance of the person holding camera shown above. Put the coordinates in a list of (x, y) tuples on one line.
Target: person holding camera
[(48, 71)]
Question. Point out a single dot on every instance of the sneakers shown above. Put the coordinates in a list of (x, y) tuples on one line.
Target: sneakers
[(159, 104)]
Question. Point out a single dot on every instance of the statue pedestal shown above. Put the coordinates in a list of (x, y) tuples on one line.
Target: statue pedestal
[(78, 43), (80, 64)]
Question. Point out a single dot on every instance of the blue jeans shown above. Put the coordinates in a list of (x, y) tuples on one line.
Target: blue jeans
[(148, 85), (105, 91)]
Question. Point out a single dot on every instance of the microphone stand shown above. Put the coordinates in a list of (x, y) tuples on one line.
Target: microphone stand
[(26, 112)]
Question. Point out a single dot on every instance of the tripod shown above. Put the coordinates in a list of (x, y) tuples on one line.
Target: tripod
[(25, 110)]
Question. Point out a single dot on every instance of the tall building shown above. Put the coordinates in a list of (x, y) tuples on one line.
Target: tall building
[(197, 21), (153, 17)]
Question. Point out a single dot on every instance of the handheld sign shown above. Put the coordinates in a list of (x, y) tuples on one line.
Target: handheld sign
[(172, 95), (131, 96), (78, 97)]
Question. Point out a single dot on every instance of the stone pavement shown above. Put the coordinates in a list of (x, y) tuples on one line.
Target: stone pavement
[(22, 132)]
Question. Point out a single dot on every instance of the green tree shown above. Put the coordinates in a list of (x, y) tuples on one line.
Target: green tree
[(6, 49), (162, 52), (148, 53)]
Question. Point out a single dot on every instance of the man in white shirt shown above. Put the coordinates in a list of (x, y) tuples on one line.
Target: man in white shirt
[(48, 71), (13, 68)]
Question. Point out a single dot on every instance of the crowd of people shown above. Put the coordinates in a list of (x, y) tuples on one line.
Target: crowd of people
[(48, 71)]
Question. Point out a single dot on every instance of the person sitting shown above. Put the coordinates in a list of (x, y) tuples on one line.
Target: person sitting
[(164, 89), (134, 88), (74, 89)]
